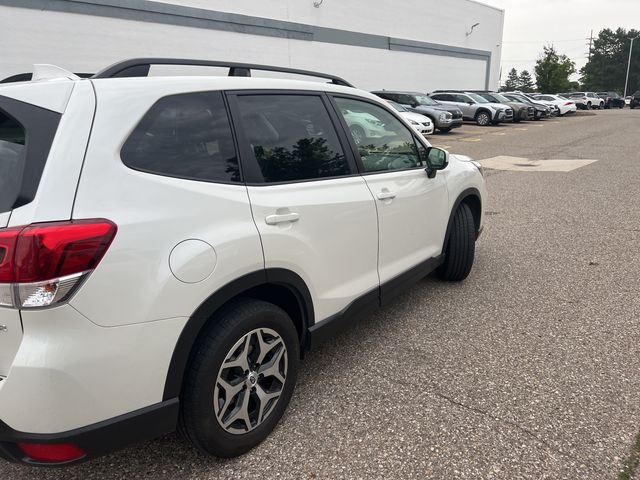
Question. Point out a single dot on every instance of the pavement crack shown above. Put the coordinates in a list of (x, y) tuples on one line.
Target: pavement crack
[(524, 430)]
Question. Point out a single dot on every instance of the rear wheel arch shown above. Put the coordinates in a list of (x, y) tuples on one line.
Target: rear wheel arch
[(280, 287)]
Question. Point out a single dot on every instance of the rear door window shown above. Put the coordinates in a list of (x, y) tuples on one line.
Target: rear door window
[(291, 137)]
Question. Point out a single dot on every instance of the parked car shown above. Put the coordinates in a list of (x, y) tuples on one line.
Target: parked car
[(420, 123), (634, 101), (363, 126), (474, 107), (586, 100), (540, 109), (444, 117), (521, 110), (611, 99), (173, 248), (564, 105)]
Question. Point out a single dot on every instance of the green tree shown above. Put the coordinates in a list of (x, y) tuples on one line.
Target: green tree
[(553, 71), (526, 82), (513, 81), (607, 68)]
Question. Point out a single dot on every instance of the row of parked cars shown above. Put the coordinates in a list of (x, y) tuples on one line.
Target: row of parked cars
[(445, 110), (602, 100)]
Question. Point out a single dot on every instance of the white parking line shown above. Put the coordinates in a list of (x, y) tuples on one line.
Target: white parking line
[(518, 164)]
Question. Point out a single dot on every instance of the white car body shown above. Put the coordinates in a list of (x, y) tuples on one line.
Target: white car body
[(420, 123), (564, 105), (586, 100), (107, 353)]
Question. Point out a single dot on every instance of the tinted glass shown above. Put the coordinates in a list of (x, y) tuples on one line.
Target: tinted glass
[(12, 150), (186, 136), (478, 98), (383, 141), (291, 137), (425, 100), (396, 106)]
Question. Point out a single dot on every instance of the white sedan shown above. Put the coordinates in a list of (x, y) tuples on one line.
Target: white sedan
[(421, 124), (564, 104)]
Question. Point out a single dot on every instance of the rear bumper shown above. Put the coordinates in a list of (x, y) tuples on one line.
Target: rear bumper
[(97, 439)]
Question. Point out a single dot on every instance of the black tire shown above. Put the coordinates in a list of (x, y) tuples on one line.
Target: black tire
[(445, 129), (588, 105), (197, 421), (483, 118), (461, 246)]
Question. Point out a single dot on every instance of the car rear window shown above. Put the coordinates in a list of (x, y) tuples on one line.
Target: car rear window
[(26, 134), (185, 136), (12, 150)]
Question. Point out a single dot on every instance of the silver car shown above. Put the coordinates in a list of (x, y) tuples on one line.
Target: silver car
[(476, 108)]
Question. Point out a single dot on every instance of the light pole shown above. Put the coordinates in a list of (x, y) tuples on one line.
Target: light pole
[(626, 82)]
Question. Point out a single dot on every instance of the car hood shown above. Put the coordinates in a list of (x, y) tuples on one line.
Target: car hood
[(516, 105), (416, 117), (434, 109), (497, 106)]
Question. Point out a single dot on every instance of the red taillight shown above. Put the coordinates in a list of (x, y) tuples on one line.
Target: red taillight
[(8, 239), (568, 104), (54, 250), (41, 264), (51, 452)]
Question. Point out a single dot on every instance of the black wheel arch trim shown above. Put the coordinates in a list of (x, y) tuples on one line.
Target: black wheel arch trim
[(469, 192), (270, 276)]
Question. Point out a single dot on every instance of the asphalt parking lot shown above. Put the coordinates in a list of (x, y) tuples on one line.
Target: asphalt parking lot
[(528, 369)]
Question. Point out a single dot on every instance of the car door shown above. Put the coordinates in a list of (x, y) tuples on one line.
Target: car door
[(466, 104), (412, 208), (315, 214)]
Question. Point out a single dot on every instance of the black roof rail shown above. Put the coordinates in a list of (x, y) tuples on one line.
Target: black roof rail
[(139, 67), (25, 77)]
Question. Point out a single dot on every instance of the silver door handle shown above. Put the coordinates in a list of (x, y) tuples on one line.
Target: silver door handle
[(386, 195), (283, 218)]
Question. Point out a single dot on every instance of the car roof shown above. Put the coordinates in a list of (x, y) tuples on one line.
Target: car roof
[(401, 92)]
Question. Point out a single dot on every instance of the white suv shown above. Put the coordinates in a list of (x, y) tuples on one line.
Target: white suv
[(169, 246)]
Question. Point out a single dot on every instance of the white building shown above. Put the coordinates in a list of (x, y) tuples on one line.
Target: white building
[(374, 44)]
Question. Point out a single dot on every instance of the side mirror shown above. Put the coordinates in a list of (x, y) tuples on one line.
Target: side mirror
[(437, 159)]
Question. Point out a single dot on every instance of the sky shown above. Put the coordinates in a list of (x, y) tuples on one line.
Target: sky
[(529, 25)]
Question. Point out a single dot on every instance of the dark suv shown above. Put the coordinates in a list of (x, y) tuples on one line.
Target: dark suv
[(444, 117), (635, 100), (611, 99)]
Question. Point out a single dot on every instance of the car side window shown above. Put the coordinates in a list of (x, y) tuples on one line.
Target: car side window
[(383, 141), (186, 136), (462, 98), (292, 137)]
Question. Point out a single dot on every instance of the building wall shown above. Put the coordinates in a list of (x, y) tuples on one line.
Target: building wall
[(406, 44)]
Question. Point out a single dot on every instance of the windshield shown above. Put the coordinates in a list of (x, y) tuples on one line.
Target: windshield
[(425, 100), (500, 98), (478, 98), (396, 106), (517, 98), (578, 94)]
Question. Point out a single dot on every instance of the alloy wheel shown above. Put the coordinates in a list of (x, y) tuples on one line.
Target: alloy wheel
[(250, 381)]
